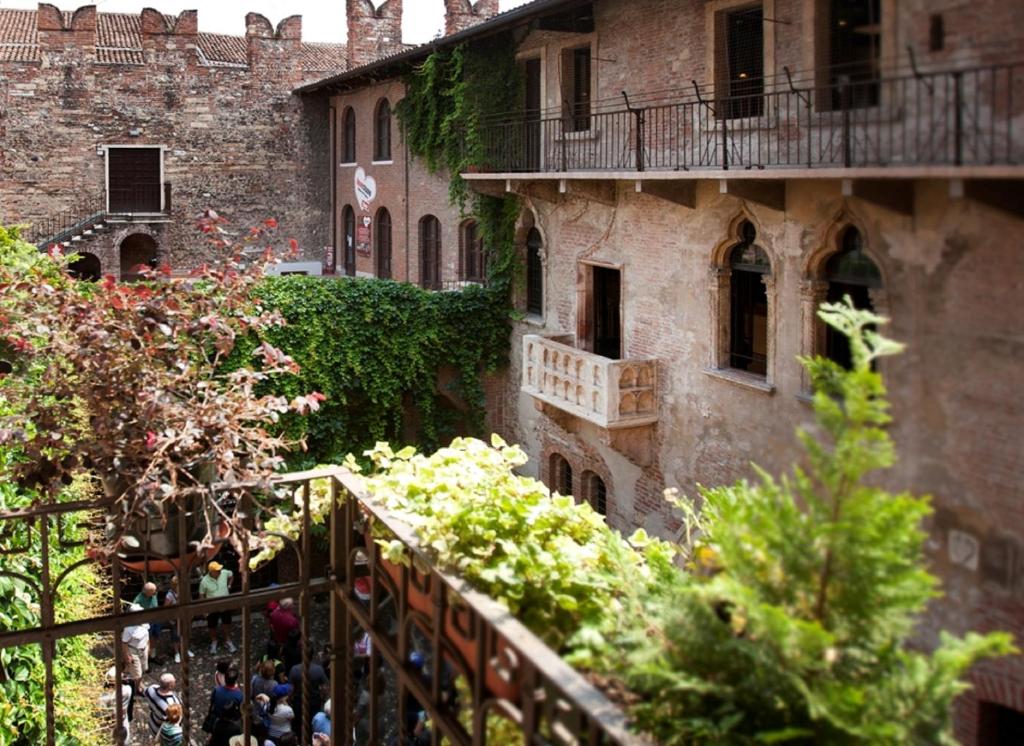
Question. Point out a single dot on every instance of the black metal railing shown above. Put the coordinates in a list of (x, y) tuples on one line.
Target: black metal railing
[(402, 640), (92, 210), (812, 120)]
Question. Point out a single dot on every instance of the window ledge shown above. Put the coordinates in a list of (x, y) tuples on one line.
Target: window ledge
[(742, 378), (581, 136), (805, 397), (348, 165), (381, 163), (532, 319)]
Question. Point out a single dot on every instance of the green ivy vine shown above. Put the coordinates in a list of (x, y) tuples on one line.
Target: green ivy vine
[(447, 99), (377, 350)]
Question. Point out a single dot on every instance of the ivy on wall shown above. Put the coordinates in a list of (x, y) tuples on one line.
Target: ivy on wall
[(378, 349), (448, 98)]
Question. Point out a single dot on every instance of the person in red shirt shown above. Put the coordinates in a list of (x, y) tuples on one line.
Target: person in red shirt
[(282, 621)]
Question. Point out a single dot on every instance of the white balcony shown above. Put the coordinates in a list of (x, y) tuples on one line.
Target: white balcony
[(612, 394)]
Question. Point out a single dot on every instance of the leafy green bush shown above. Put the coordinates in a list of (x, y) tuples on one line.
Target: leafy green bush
[(796, 631)]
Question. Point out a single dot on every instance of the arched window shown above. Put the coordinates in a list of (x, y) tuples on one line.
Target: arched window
[(430, 253), (348, 221), (472, 258), (348, 130), (534, 273), (138, 252), (596, 492), (383, 243), (748, 304), (850, 272), (561, 475), (382, 131)]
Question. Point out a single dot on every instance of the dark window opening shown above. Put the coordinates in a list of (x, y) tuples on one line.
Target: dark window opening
[(348, 149), (854, 32), (534, 273), (138, 253), (606, 329), (561, 475), (86, 267), (748, 327), (383, 243), (999, 726), (349, 222), (741, 63), (134, 180), (382, 132), (597, 493), (473, 258), (430, 253), (576, 93), (936, 33), (849, 272)]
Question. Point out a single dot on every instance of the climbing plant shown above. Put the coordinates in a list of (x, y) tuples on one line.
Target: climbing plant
[(448, 98), (394, 362)]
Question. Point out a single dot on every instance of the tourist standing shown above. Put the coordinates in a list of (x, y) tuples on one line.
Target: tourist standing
[(147, 599), (135, 640), (160, 697), (322, 721), (282, 621), (171, 599), (263, 681), (228, 695), (217, 584), (282, 715), (170, 731), (109, 698)]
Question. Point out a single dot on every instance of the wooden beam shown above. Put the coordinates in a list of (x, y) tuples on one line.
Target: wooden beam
[(768, 193), (891, 194), (1003, 194), (678, 192)]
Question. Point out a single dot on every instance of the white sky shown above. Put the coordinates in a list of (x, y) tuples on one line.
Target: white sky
[(322, 20)]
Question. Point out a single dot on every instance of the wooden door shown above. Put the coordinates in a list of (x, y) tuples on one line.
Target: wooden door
[(134, 180)]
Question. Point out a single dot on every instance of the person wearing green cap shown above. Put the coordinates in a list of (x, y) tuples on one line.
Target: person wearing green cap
[(216, 584)]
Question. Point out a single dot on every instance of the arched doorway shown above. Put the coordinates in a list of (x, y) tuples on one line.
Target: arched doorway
[(86, 267), (138, 250)]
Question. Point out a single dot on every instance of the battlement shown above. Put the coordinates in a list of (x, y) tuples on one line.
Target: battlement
[(27, 36)]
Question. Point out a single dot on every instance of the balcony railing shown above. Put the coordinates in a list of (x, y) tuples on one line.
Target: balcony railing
[(475, 660), (907, 118), (610, 393)]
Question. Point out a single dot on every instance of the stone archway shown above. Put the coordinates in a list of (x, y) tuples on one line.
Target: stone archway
[(137, 250), (87, 267)]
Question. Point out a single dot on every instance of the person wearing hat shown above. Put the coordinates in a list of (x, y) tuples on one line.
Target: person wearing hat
[(108, 698), (217, 584), (282, 714), (135, 639)]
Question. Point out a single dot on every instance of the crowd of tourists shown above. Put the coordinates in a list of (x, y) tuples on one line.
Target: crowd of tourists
[(274, 698)]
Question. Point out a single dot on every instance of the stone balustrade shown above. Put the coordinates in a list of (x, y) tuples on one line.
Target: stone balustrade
[(610, 393)]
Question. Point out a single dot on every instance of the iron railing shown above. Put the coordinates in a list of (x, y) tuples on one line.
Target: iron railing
[(472, 659), (90, 211), (814, 120)]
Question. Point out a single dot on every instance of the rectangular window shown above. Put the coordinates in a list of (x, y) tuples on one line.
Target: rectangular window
[(852, 49), (133, 180), (739, 73), (576, 88)]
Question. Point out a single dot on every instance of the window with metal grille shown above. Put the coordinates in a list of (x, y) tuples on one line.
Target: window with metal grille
[(849, 273), (853, 41), (576, 93), (534, 273), (348, 128), (133, 180), (561, 475), (382, 131), (740, 62), (472, 257), (430, 252), (748, 323), (597, 493), (383, 243), (348, 219)]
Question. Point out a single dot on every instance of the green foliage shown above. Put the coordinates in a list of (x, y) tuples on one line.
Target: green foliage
[(794, 627), (375, 347)]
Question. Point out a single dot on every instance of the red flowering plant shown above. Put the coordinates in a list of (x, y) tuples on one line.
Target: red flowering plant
[(127, 381)]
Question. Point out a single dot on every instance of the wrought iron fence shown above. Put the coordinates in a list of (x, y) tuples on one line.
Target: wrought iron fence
[(905, 118), (407, 644)]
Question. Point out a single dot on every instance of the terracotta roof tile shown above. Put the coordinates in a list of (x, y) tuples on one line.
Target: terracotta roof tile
[(111, 56), (17, 26), (118, 30), (221, 49), (323, 57)]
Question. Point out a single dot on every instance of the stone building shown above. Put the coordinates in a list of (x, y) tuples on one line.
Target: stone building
[(118, 130), (695, 177)]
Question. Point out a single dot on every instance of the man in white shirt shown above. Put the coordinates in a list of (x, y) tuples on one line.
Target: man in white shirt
[(135, 639), (215, 584)]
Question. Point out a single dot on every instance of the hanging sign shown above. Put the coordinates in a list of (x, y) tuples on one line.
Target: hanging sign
[(363, 235), (366, 189)]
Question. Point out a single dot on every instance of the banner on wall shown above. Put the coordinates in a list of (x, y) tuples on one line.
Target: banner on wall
[(366, 189), (363, 235)]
